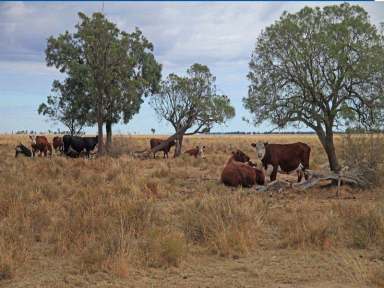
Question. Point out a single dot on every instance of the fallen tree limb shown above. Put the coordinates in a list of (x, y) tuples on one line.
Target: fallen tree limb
[(276, 185), (354, 177)]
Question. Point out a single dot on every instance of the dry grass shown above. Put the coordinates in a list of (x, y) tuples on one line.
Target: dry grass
[(122, 216)]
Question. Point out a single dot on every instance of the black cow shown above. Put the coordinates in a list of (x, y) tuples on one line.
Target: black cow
[(74, 145), (21, 149)]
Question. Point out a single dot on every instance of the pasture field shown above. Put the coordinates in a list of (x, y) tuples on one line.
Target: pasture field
[(115, 221)]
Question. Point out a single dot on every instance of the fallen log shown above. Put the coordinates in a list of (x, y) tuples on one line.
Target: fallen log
[(277, 185), (354, 177)]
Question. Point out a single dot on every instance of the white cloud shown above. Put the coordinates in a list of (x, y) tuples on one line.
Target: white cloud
[(221, 35)]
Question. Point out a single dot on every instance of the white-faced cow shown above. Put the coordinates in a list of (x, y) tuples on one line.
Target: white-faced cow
[(40, 144), (197, 152), (21, 149), (284, 158)]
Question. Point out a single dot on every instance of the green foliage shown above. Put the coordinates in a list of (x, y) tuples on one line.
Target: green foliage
[(192, 102), (115, 68), (320, 67), (69, 105), (317, 66)]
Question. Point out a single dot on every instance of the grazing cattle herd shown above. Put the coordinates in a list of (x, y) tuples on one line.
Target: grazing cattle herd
[(238, 169)]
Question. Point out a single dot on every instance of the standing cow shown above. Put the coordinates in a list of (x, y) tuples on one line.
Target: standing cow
[(58, 144), (156, 142), (40, 144), (74, 145), (283, 158)]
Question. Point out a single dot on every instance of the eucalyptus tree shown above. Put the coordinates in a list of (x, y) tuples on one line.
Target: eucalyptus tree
[(116, 68), (319, 67), (191, 103)]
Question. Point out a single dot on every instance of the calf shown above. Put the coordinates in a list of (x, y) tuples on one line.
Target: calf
[(21, 149), (284, 158), (74, 145), (197, 152), (156, 142), (40, 144), (239, 171), (58, 144)]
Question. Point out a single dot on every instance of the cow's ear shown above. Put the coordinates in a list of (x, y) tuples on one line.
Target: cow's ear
[(253, 144), (265, 143)]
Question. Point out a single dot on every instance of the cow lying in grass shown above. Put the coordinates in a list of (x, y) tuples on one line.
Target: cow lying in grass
[(239, 171), (21, 149), (197, 152)]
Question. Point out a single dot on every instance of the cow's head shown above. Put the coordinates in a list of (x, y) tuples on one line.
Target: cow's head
[(33, 139), (260, 148), (200, 151), (240, 156)]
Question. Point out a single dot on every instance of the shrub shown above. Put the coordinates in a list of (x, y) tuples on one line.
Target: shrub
[(366, 153)]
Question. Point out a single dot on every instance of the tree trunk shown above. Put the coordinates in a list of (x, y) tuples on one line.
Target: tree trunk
[(100, 148), (326, 140), (108, 128), (179, 143)]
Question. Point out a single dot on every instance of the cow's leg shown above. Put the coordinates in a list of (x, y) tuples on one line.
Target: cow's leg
[(274, 173), (154, 155)]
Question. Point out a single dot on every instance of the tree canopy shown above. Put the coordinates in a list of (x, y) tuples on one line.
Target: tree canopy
[(320, 67), (191, 103), (69, 104), (116, 68)]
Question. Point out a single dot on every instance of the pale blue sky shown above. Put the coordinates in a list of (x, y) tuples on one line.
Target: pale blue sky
[(221, 35)]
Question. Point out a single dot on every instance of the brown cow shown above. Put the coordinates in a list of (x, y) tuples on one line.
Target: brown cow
[(58, 144), (155, 142), (283, 158), (237, 172), (198, 151), (40, 144)]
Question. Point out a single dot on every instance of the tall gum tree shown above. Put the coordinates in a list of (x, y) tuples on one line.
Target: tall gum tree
[(319, 67), (115, 67), (191, 104)]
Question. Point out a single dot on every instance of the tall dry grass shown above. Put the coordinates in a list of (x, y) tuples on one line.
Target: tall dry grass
[(118, 214)]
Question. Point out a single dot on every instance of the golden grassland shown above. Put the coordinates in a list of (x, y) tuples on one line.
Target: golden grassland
[(116, 221)]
